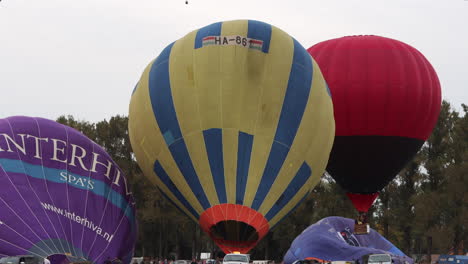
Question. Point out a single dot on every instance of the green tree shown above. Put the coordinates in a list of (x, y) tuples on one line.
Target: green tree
[(432, 205)]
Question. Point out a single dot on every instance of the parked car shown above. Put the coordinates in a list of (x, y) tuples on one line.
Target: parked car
[(22, 259), (181, 261), (236, 258), (210, 261), (377, 259)]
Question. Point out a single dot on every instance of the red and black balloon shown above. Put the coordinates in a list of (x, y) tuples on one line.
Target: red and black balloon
[(386, 98)]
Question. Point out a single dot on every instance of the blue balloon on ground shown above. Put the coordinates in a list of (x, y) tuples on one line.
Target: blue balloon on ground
[(332, 239)]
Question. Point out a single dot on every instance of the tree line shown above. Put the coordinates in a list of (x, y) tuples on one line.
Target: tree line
[(424, 210)]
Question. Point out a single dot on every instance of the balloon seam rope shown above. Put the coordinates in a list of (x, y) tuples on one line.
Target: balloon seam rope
[(66, 188), (24, 169), (8, 242), (245, 229), (30, 186), (68, 198), (14, 187), (58, 217), (21, 221), (197, 98), (103, 212), (220, 84), (311, 142), (175, 200), (45, 183), (116, 229), (222, 126), (86, 206), (282, 144), (257, 117), (197, 103)]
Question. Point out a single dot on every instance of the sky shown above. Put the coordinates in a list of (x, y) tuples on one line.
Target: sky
[(83, 58)]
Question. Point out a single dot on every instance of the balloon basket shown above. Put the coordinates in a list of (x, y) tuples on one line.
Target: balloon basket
[(361, 229)]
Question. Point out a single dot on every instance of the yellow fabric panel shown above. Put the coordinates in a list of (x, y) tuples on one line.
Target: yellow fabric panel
[(232, 63), (183, 85), (326, 121), (196, 148), (171, 168), (311, 182), (152, 146), (287, 208), (315, 156), (317, 172), (309, 140), (303, 141), (232, 59), (146, 145), (230, 145), (156, 181), (144, 110), (277, 67), (206, 69), (251, 87), (190, 108)]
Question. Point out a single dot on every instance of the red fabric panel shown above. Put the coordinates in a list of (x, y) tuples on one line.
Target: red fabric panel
[(235, 212), (231, 212), (362, 202), (379, 86)]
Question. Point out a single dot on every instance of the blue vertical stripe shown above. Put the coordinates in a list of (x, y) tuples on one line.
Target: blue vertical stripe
[(297, 95), (161, 97), (244, 151), (294, 186), (214, 148), (161, 173), (274, 163), (182, 158), (166, 117), (294, 104), (261, 31), (210, 30)]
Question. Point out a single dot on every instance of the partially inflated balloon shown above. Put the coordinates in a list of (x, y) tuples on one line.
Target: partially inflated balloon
[(234, 123), (386, 99), (61, 194), (332, 239)]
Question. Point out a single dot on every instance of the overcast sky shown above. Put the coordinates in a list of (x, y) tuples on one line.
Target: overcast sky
[(84, 57)]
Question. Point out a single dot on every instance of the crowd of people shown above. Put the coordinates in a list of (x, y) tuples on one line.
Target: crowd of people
[(149, 260)]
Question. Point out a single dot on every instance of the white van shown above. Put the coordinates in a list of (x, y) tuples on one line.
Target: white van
[(377, 259), (236, 258)]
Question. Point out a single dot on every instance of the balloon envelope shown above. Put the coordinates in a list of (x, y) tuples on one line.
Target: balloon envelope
[(234, 123), (332, 239), (61, 195), (386, 99)]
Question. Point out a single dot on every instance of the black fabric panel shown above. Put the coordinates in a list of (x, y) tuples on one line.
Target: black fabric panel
[(366, 164), (234, 231)]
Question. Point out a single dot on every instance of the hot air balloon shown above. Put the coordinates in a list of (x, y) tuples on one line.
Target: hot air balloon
[(386, 99), (61, 195), (332, 239), (234, 123)]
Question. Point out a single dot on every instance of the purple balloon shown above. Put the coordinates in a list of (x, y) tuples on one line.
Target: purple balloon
[(332, 239), (61, 193)]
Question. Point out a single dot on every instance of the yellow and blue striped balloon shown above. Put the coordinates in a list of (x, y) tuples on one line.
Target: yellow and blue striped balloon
[(234, 124)]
